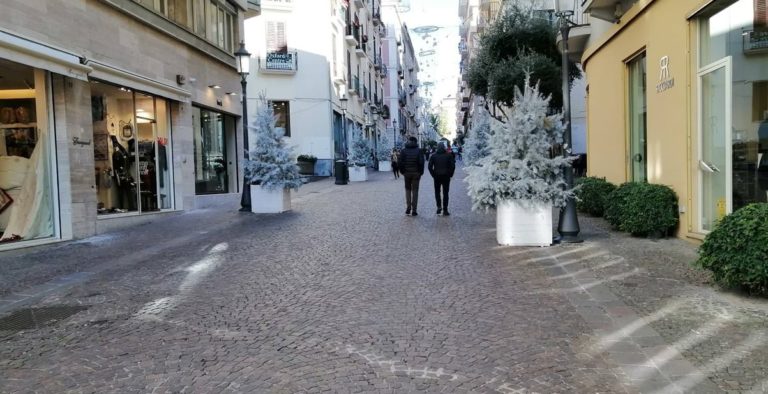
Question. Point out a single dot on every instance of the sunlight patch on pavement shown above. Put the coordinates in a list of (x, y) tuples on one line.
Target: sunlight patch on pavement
[(590, 269), (608, 341)]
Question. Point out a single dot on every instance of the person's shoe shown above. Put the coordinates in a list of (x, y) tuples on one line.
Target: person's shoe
[(408, 211), (439, 211), (414, 213), (446, 213)]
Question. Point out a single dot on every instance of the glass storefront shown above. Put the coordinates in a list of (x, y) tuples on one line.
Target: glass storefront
[(213, 134), (733, 69), (27, 181), (131, 149)]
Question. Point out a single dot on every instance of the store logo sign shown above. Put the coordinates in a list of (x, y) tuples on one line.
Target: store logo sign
[(666, 81)]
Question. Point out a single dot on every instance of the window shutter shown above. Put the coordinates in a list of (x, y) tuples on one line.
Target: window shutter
[(761, 15), (276, 37)]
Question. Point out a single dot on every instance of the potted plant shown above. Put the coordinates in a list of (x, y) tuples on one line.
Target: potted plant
[(271, 167), (518, 177), (306, 164), (384, 154), (359, 158)]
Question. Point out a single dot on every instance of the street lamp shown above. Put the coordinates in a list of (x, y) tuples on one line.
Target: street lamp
[(394, 133), (243, 59), (341, 164), (568, 224)]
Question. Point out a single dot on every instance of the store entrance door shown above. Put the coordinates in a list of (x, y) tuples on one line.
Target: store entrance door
[(714, 158)]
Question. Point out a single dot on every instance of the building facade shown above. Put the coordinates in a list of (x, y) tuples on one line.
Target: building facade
[(101, 133), (691, 107)]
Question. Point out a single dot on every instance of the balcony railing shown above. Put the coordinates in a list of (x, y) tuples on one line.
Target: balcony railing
[(279, 62), (360, 49), (352, 35)]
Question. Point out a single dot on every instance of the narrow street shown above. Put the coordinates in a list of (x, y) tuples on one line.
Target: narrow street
[(347, 294)]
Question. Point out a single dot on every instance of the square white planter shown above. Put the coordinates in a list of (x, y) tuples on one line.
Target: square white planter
[(270, 201), (358, 174), (528, 224), (385, 165)]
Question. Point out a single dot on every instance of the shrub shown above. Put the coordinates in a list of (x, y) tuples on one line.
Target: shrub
[(308, 158), (641, 208), (736, 251), (592, 195)]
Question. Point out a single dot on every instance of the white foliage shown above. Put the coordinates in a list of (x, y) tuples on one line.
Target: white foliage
[(477, 145), (519, 166), (361, 150), (271, 162), (385, 148)]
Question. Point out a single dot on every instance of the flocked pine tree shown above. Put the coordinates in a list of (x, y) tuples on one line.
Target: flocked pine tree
[(361, 151), (384, 152), (271, 162), (477, 145), (519, 166)]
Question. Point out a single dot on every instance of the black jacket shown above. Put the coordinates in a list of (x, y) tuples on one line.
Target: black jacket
[(411, 160), (442, 163)]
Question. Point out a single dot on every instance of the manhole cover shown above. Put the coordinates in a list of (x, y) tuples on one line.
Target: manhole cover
[(31, 318)]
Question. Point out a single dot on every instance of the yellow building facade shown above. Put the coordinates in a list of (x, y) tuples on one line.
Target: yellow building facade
[(678, 95)]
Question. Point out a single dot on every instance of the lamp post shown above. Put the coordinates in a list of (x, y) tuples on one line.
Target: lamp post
[(568, 224), (341, 164), (394, 133), (243, 58)]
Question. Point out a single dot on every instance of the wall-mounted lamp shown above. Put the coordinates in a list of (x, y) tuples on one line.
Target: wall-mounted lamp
[(231, 94), (214, 86)]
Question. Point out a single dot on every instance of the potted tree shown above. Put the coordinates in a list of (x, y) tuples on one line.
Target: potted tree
[(359, 158), (519, 177), (306, 164), (384, 154), (271, 167)]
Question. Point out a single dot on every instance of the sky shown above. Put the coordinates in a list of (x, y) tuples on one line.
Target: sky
[(442, 67)]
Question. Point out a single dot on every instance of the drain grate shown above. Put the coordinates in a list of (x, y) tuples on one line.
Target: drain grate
[(32, 318)]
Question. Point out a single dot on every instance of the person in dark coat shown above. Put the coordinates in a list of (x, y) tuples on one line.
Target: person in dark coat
[(411, 165), (441, 167)]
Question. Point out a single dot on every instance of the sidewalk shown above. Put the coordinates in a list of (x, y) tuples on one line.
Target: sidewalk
[(332, 282)]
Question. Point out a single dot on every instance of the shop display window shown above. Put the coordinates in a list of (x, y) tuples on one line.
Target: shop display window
[(132, 150), (212, 150), (26, 181)]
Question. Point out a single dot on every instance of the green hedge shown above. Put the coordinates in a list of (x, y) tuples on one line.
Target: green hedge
[(644, 209), (592, 195), (736, 251)]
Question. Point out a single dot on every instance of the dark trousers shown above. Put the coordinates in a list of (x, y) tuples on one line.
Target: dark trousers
[(412, 190), (395, 170), (442, 182)]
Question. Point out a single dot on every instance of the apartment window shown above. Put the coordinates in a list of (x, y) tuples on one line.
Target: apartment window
[(276, 38), (282, 110), (210, 19)]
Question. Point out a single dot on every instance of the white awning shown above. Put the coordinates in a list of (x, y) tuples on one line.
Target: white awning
[(46, 57), (132, 80)]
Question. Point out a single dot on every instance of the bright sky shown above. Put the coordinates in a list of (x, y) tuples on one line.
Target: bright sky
[(442, 67)]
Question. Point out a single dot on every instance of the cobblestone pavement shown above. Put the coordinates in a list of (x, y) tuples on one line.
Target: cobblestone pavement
[(346, 294)]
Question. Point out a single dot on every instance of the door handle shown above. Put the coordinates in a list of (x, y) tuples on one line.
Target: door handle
[(709, 167), (637, 157)]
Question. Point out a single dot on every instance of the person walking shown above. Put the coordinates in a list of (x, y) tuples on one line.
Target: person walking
[(411, 165), (395, 158), (441, 167)]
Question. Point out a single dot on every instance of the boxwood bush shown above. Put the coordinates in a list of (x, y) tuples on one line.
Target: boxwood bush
[(592, 195), (736, 251), (641, 208)]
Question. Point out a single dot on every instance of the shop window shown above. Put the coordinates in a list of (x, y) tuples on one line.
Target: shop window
[(282, 110), (132, 150), (212, 151), (26, 180)]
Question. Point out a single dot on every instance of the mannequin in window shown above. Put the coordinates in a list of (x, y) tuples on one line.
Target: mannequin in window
[(126, 186)]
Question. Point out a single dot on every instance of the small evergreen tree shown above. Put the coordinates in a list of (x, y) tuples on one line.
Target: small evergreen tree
[(519, 166), (361, 150), (385, 149), (477, 146), (271, 162)]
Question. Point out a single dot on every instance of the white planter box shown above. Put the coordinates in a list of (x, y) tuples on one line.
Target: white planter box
[(270, 201), (385, 165), (358, 174), (523, 224)]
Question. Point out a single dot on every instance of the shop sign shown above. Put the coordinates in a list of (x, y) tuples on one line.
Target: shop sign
[(666, 81)]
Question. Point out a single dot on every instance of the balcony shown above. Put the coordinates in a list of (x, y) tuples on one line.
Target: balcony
[(383, 71), (382, 30), (338, 74), (352, 34), (607, 10), (376, 17), (364, 96), (279, 62), (578, 37), (360, 49), (377, 64), (277, 4)]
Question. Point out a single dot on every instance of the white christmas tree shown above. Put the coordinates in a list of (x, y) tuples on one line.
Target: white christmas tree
[(384, 152), (361, 151), (520, 166), (271, 162), (477, 145)]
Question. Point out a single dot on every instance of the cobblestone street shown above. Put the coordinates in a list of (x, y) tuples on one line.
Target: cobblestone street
[(347, 294)]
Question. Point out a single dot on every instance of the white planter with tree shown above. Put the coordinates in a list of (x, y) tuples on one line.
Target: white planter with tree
[(384, 154), (359, 158), (271, 166), (519, 177)]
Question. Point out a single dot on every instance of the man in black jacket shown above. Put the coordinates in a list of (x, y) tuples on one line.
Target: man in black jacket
[(411, 165), (441, 167)]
